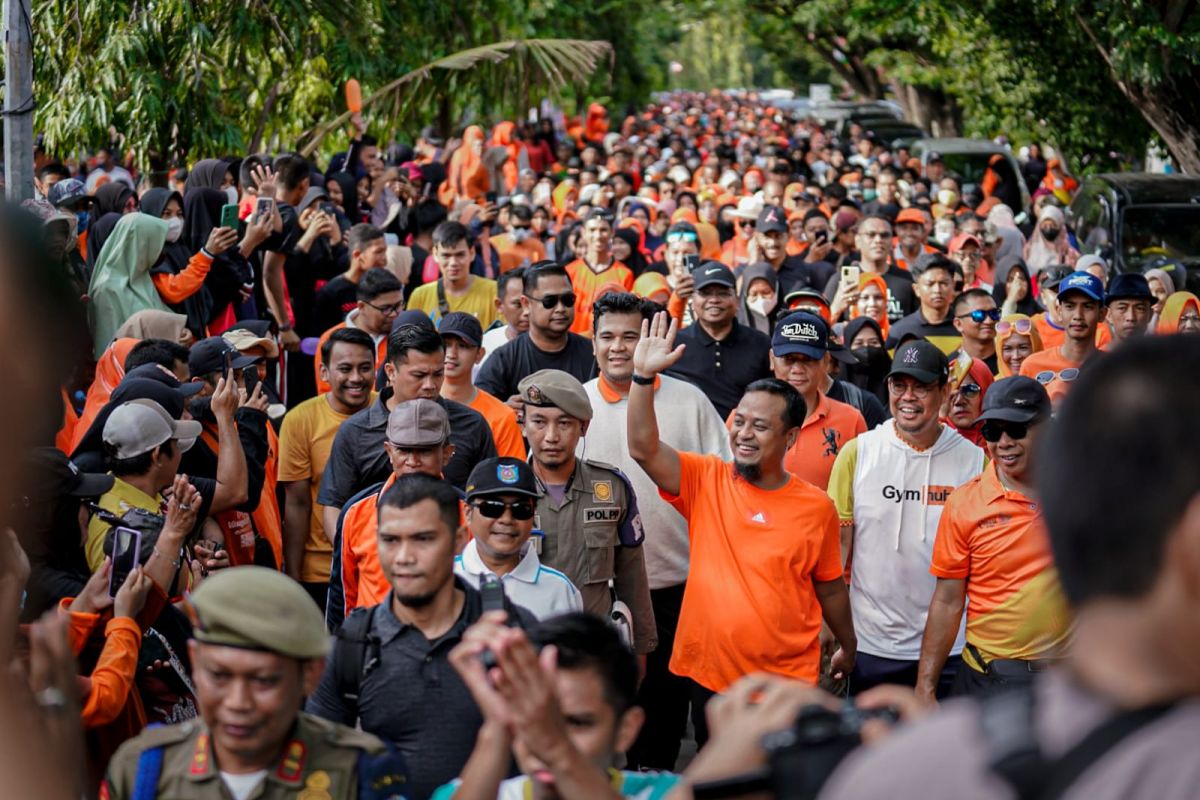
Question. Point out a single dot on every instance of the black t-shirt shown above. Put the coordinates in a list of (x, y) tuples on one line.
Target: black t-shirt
[(516, 360), (867, 403), (335, 300), (915, 324), (796, 273), (723, 369), (902, 300)]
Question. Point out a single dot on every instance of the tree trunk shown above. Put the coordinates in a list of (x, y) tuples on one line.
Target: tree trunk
[(931, 109), (1173, 109)]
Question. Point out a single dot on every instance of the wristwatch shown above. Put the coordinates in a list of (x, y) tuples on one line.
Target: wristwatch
[(642, 380)]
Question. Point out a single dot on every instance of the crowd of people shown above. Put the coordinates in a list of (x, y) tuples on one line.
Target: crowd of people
[(518, 463)]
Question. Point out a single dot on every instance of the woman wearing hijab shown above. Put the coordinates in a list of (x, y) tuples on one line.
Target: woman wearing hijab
[(758, 305), (969, 382), (1015, 295), (865, 338), (1016, 340), (1049, 243), (1012, 241), (121, 284), (214, 173), (229, 273), (625, 247), (179, 275), (113, 200), (1180, 314), (342, 189), (467, 178)]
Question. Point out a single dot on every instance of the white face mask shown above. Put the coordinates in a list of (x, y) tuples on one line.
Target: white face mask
[(762, 305), (519, 235), (174, 229), (232, 193)]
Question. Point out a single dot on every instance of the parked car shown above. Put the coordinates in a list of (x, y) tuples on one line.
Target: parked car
[(835, 111), (968, 161), (1135, 220)]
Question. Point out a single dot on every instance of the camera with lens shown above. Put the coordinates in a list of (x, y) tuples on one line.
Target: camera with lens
[(801, 758)]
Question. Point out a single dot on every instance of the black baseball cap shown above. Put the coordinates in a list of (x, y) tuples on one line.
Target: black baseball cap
[(711, 272), (1016, 399), (157, 372), (772, 219), (1051, 276), (208, 356), (462, 325), (921, 359), (53, 475), (411, 317), (502, 475)]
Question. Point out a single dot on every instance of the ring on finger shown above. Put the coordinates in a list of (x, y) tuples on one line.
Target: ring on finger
[(52, 699)]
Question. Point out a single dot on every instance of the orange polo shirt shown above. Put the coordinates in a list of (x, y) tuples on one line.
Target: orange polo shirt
[(750, 604), (503, 422), (824, 432), (1050, 334), (995, 540), (585, 283), (380, 356)]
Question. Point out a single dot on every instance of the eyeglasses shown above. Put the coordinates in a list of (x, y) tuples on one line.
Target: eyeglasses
[(549, 301), (901, 388), (979, 315), (1021, 326), (494, 509), (992, 430), (388, 310)]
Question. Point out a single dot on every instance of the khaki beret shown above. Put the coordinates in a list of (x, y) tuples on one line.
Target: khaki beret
[(553, 388), (258, 609)]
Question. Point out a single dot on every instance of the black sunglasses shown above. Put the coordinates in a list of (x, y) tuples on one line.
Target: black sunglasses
[(992, 430), (494, 509), (549, 301), (979, 315)]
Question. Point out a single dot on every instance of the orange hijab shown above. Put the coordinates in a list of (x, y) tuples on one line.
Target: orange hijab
[(502, 136), (1173, 308), (1035, 341), (467, 178), (876, 280)]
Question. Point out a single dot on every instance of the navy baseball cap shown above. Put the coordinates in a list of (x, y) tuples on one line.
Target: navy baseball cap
[(208, 356), (802, 333), (772, 219), (1084, 282), (462, 325), (1129, 286), (411, 317), (1016, 399), (502, 476), (923, 360)]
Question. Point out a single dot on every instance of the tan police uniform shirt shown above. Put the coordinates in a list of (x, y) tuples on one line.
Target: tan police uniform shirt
[(595, 536), (319, 762)]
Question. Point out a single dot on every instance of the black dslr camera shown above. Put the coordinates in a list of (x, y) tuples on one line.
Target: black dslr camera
[(800, 758)]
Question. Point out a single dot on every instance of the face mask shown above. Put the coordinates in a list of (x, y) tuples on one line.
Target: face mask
[(174, 229), (81, 225), (231, 192), (869, 195), (1051, 234), (943, 231), (519, 235), (762, 305), (870, 355)]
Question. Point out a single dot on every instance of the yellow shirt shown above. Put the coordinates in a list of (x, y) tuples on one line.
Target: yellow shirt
[(304, 444), (118, 500), (479, 301)]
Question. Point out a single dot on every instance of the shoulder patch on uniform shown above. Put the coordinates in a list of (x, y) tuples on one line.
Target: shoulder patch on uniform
[(602, 491)]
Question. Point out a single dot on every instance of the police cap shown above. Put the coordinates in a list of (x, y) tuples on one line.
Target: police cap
[(553, 388)]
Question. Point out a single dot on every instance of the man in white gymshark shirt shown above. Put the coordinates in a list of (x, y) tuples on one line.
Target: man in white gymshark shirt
[(890, 485)]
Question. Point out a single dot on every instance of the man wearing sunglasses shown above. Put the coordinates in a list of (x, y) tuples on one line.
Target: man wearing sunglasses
[(502, 497), (588, 511), (890, 486), (992, 548), (975, 318), (1081, 308)]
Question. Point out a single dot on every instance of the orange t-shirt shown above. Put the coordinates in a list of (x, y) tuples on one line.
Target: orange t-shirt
[(825, 430), (1104, 337), (1050, 334), (750, 604), (503, 422), (585, 283), (380, 356), (363, 581), (995, 540), (515, 254), (1053, 371)]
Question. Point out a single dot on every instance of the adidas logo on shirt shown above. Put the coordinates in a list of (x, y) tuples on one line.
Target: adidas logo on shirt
[(760, 518)]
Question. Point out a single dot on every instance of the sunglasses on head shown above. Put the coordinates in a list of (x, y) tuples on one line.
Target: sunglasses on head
[(979, 315), (682, 236), (494, 509), (549, 301), (992, 430), (1021, 326)]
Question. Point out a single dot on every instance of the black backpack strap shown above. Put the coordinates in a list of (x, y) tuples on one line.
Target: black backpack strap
[(1007, 721), (443, 303), (356, 652)]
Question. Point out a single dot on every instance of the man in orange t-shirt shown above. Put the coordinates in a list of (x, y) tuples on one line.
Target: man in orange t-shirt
[(765, 551), (519, 247), (595, 268), (463, 336), (992, 547), (1081, 307)]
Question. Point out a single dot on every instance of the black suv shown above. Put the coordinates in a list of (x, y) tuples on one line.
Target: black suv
[(1133, 220)]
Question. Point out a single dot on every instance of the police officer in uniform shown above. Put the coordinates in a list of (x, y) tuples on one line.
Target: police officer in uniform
[(258, 648), (587, 516)]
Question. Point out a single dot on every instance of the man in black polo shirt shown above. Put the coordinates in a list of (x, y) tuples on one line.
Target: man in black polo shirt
[(388, 671), (414, 369), (933, 278), (548, 344), (770, 238), (722, 357)]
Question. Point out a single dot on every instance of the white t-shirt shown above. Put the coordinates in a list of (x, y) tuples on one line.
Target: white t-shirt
[(492, 341), (540, 590), (242, 785)]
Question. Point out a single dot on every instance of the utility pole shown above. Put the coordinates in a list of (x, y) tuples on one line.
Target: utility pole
[(18, 101)]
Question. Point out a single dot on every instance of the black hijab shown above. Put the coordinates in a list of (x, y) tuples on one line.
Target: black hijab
[(154, 202), (111, 198), (98, 233), (176, 254), (202, 213), (207, 174), (872, 365), (636, 261), (753, 272), (349, 186), (1027, 306)]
